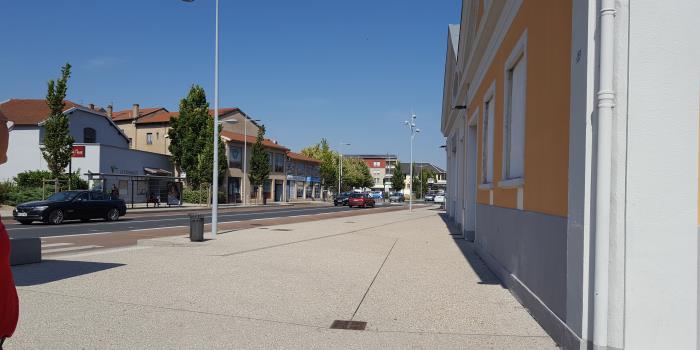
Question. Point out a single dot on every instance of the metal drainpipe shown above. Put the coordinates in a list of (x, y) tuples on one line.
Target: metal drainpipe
[(606, 103)]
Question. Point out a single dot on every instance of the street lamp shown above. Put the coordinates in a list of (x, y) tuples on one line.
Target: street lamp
[(414, 130), (245, 156), (340, 169), (215, 167)]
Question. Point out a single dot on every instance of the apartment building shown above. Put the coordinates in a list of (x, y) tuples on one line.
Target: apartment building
[(572, 140), (303, 177), (237, 183), (381, 167)]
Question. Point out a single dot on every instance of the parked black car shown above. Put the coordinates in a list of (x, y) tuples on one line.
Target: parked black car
[(341, 199), (71, 205)]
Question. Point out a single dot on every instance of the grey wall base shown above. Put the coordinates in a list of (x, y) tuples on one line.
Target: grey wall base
[(549, 321), (25, 251), (527, 251)]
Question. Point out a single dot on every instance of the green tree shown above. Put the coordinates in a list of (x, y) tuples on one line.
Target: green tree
[(259, 162), (398, 179), (420, 186), (191, 139), (329, 163), (58, 143), (356, 174)]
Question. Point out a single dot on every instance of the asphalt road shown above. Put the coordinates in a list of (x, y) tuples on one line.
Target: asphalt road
[(158, 221)]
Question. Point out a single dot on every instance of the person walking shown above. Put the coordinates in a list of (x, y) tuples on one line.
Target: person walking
[(9, 302)]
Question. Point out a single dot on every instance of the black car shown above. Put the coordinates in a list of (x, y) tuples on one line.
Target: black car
[(71, 205), (341, 199)]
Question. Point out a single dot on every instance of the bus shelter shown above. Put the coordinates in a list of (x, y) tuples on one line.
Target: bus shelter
[(146, 189)]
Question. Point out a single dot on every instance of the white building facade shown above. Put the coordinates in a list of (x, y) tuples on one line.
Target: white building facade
[(572, 146)]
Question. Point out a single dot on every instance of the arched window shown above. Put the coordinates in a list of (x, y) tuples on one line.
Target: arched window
[(89, 135)]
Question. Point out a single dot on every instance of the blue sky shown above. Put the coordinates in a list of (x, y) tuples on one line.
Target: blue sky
[(345, 70)]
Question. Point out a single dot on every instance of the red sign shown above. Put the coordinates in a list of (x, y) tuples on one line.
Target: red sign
[(78, 152)]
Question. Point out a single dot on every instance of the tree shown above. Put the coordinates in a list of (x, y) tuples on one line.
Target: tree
[(58, 143), (356, 174), (259, 162), (191, 140), (421, 184), (329, 162), (398, 179)]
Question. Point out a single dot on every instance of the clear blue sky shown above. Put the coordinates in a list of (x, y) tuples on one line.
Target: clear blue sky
[(345, 70)]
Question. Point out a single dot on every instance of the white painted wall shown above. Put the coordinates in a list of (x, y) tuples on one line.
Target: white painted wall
[(23, 152), (661, 285)]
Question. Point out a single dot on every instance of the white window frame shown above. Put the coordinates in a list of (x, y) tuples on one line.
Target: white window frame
[(517, 56), (490, 99), (149, 138)]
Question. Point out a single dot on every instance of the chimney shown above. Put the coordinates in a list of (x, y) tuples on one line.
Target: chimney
[(92, 106), (135, 111), (109, 111)]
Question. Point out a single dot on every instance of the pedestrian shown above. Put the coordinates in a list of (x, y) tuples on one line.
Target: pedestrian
[(115, 192), (9, 302)]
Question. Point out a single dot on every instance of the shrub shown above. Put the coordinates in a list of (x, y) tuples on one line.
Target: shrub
[(194, 196), (21, 195), (35, 178), (5, 189)]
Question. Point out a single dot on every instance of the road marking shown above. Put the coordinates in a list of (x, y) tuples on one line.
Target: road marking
[(104, 251), (156, 228), (208, 216), (79, 234), (69, 249), (52, 245)]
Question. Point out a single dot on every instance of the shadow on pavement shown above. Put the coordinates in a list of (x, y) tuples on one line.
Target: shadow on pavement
[(55, 270), (469, 251)]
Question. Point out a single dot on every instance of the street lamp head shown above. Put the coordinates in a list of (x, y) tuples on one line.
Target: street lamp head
[(417, 130)]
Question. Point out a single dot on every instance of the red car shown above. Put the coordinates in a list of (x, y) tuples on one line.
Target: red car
[(360, 200)]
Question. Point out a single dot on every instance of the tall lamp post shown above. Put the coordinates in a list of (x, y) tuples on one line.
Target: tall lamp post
[(340, 167), (414, 130), (215, 167), (245, 156)]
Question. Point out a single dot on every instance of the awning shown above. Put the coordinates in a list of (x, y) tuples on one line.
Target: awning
[(157, 172)]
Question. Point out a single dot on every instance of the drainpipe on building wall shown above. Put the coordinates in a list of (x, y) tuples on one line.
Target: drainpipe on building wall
[(606, 103)]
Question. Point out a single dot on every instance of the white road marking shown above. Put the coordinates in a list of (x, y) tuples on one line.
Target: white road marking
[(80, 235), (156, 228), (104, 251), (52, 245), (68, 249), (185, 218)]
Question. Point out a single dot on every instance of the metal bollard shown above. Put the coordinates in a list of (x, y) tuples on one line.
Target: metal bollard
[(196, 228)]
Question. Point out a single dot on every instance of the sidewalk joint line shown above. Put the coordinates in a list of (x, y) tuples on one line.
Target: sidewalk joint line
[(374, 279)]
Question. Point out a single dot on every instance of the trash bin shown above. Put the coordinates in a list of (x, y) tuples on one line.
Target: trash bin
[(196, 228)]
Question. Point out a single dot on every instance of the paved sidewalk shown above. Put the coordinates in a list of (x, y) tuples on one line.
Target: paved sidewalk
[(278, 287)]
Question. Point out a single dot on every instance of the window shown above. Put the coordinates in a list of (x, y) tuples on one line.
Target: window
[(157, 136), (270, 159), (514, 118), (149, 138), (234, 157), (487, 143), (279, 162), (515, 122), (89, 135), (376, 164)]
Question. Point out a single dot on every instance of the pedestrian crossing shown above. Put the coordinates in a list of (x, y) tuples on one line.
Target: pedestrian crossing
[(57, 248)]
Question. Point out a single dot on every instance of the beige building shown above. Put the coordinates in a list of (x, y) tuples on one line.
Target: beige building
[(237, 184), (146, 128)]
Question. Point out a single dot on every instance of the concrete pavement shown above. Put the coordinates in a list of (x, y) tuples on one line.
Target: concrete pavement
[(278, 287)]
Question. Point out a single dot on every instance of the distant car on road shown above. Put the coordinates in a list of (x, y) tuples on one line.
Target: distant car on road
[(360, 200), (429, 197), (377, 195), (71, 205), (341, 199), (396, 197), (439, 198)]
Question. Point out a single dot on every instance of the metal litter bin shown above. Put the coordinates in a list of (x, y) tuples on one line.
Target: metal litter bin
[(196, 227)]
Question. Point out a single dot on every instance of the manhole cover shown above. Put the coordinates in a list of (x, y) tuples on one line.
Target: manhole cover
[(350, 325), (282, 229)]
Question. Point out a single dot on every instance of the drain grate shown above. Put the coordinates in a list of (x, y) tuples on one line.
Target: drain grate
[(349, 325), (282, 229)]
